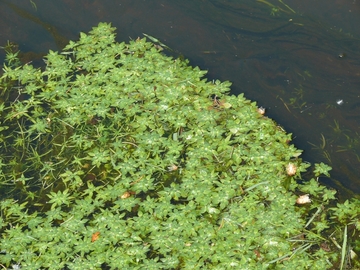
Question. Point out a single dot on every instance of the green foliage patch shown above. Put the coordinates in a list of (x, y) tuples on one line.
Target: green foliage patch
[(117, 156)]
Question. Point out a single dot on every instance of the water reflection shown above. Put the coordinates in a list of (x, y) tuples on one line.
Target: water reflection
[(296, 66)]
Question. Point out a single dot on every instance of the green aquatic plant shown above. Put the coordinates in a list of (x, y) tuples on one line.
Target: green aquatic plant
[(275, 10), (351, 143), (299, 92), (114, 155), (33, 4), (336, 128), (322, 148)]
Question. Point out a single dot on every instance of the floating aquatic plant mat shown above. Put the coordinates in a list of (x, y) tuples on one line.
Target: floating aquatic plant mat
[(116, 156)]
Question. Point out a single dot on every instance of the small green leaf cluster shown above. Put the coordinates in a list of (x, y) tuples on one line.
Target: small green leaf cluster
[(117, 156)]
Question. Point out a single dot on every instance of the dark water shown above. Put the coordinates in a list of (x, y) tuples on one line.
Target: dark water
[(299, 59)]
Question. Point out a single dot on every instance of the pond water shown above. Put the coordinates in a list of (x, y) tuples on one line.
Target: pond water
[(298, 59)]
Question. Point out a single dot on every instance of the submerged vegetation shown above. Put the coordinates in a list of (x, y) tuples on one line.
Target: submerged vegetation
[(115, 155)]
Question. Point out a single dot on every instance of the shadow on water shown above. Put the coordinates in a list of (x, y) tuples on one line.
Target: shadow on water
[(304, 72)]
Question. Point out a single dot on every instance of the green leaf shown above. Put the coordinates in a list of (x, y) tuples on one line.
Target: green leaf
[(322, 168)]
